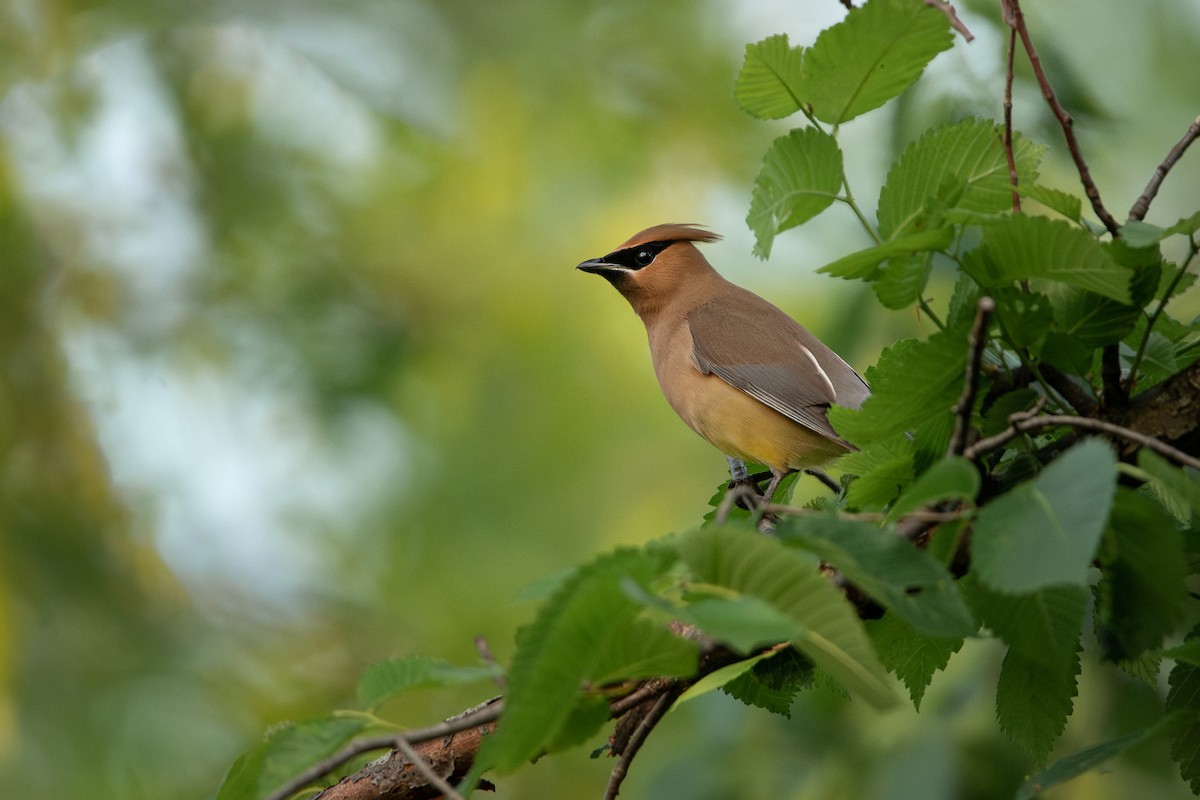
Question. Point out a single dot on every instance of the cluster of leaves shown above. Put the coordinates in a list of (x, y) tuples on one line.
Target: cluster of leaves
[(1050, 524)]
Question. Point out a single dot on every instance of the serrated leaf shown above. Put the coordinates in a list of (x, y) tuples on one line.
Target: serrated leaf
[(771, 78), (967, 156), (285, 752), (1158, 360), (1183, 698), (911, 656), (1023, 247), (763, 568), (1188, 652), (1045, 532), (1176, 488), (1037, 683), (1144, 590), (911, 382), (863, 265), (557, 653), (874, 489), (772, 683), (643, 649), (871, 56), (1024, 316), (902, 280), (907, 581), (1069, 205), (996, 418), (386, 679), (800, 177), (1089, 319), (952, 478)]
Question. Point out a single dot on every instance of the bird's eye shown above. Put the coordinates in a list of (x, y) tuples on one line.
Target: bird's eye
[(644, 257)]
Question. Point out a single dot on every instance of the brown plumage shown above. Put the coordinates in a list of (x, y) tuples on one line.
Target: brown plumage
[(737, 370)]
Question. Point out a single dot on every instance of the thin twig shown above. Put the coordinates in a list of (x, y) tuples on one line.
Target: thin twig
[(1016, 19), (480, 715), (952, 15), (640, 695), (1019, 426), (485, 652), (621, 769), (849, 4), (1008, 129), (966, 402), (919, 515), (1142, 205), (426, 769)]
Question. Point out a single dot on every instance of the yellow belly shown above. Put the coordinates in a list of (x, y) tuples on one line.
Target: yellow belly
[(733, 421), (740, 426)]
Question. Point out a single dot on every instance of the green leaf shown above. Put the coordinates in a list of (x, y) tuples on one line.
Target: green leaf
[(589, 714), (1037, 683), (718, 678), (875, 488), (386, 679), (1143, 594), (745, 623), (771, 78), (1183, 697), (1007, 404), (912, 382), (1188, 652), (1069, 205), (1023, 247), (1076, 764), (773, 682), (902, 280), (871, 56), (910, 655), (863, 264), (1175, 487), (286, 751), (1089, 319), (1046, 531), (951, 478), (1141, 234), (891, 570), (759, 567), (967, 157), (800, 177), (559, 651), (1024, 316), (643, 649), (1185, 226)]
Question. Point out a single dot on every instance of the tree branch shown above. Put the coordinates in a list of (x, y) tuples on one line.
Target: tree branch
[(966, 402), (1019, 424), (1142, 205), (1016, 20), (640, 734), (952, 15)]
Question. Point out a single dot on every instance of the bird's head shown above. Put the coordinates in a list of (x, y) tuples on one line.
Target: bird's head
[(655, 264)]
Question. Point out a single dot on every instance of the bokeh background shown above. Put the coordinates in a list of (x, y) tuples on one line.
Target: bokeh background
[(296, 373)]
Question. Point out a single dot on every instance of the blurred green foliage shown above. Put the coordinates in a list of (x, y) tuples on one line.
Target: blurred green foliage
[(295, 374)]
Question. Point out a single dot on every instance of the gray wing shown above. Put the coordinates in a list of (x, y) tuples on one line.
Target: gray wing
[(753, 346)]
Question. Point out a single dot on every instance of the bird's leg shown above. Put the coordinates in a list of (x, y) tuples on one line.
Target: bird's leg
[(769, 493), (741, 486)]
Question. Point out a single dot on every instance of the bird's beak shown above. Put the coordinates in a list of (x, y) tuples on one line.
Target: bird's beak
[(598, 266)]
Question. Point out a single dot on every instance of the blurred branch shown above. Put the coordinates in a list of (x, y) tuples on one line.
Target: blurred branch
[(952, 15), (1142, 205), (1016, 20), (644, 727), (1008, 107)]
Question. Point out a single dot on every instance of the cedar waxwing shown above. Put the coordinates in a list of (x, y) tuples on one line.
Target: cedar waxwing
[(740, 372)]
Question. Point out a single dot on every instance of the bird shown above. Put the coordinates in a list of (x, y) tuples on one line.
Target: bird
[(738, 370)]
